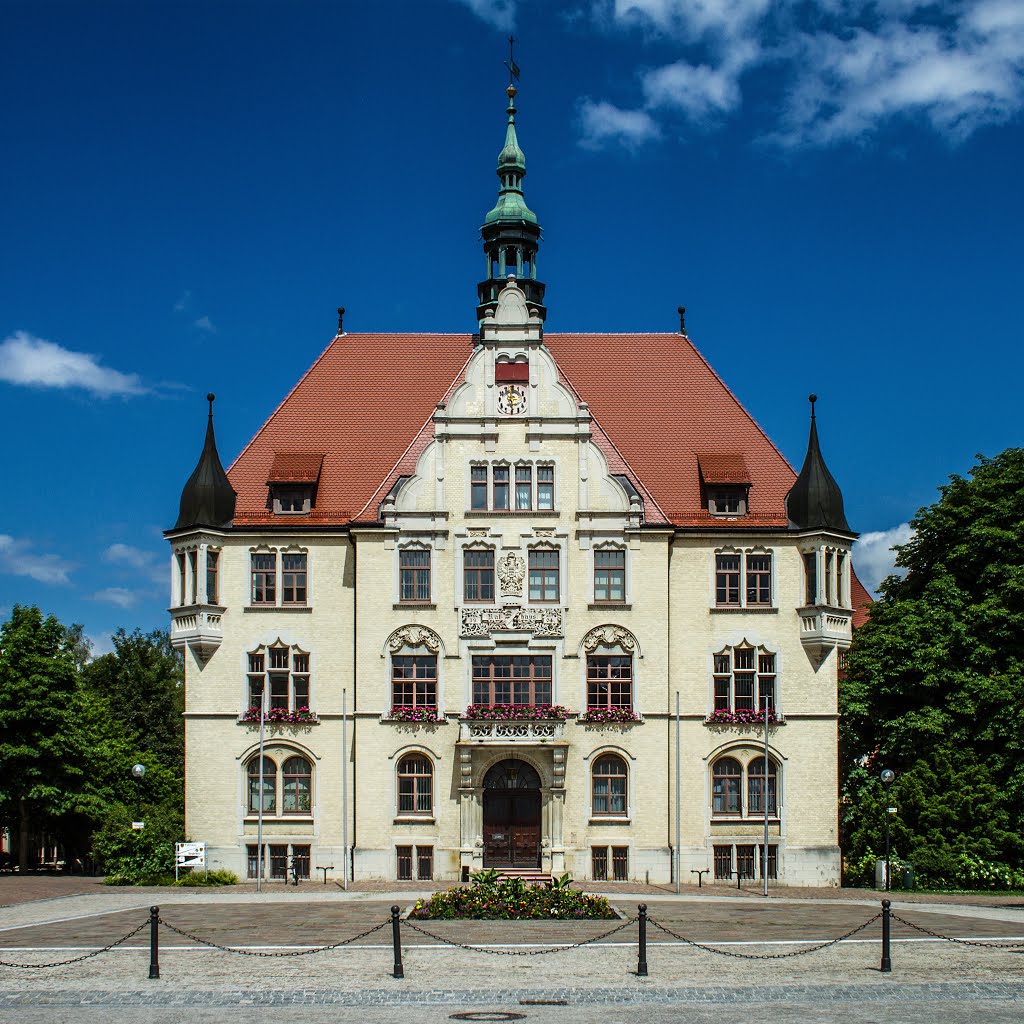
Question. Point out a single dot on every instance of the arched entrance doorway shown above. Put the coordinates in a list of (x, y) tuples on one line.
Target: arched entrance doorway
[(512, 816)]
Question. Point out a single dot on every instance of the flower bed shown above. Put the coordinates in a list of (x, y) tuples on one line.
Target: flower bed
[(512, 900), (517, 712), (600, 716), (404, 714), (281, 716), (742, 717)]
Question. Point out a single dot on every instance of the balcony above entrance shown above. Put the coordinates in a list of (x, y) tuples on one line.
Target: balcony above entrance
[(502, 733)]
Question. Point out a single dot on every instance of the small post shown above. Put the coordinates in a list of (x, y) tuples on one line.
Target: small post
[(154, 942), (396, 940), (700, 873), (641, 963), (886, 966)]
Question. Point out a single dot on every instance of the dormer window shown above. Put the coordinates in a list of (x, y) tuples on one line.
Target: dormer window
[(293, 481), (725, 483)]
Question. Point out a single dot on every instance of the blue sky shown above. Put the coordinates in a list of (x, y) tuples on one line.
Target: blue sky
[(832, 189)]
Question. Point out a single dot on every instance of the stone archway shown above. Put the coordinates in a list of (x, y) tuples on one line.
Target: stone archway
[(512, 815)]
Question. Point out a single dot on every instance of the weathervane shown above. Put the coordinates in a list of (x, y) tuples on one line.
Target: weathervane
[(513, 67)]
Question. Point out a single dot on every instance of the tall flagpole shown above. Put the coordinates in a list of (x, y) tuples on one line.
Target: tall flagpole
[(344, 789), (679, 824), (764, 855), (259, 813)]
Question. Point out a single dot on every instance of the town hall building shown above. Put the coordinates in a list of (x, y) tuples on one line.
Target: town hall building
[(540, 602)]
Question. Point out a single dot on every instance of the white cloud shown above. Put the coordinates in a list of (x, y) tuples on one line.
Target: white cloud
[(499, 13), (120, 596), (148, 563), (101, 643), (204, 323), (840, 70), (18, 558), (35, 362), (602, 123), (873, 557)]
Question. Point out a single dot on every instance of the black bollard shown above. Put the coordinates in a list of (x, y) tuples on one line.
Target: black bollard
[(886, 967), (641, 963), (396, 939), (154, 942)]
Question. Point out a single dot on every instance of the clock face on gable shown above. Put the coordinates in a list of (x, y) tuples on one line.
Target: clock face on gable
[(512, 399)]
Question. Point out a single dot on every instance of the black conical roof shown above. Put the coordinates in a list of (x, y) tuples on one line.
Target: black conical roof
[(815, 502), (208, 498)]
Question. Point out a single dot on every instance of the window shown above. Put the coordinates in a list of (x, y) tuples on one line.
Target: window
[(478, 575), (840, 601), (609, 681), (415, 785), (502, 488), (193, 575), (744, 678), (264, 578), (610, 576), (811, 578), (269, 786), (285, 673), (414, 680), (620, 863), (421, 856), (743, 580), (544, 576), (212, 560), (723, 862), (745, 861), (511, 679), (726, 500), (756, 787), (293, 579), (599, 863), (292, 500), (414, 576), (747, 858), (278, 860), (609, 785), (180, 559), (727, 787), (297, 788), (727, 778)]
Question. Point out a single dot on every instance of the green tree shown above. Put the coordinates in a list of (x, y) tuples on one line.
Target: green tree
[(935, 682), (38, 687)]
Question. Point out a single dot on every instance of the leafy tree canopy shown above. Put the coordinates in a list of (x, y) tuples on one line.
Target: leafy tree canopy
[(935, 682)]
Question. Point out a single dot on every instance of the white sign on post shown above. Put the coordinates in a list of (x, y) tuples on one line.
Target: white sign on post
[(190, 855)]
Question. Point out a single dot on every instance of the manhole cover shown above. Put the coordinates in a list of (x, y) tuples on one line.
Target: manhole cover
[(486, 1015)]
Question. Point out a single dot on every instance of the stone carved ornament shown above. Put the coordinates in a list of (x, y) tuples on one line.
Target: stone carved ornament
[(414, 636), (481, 622), (609, 636), (511, 570)]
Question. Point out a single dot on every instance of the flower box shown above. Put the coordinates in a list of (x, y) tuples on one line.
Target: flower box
[(609, 716), (419, 716), (517, 712), (280, 716), (743, 717)]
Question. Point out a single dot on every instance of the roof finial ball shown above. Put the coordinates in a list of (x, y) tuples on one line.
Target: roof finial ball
[(211, 398), (341, 317), (682, 319), (812, 398)]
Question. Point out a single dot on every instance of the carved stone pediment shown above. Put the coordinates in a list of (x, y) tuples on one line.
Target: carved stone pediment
[(414, 636), (540, 622), (609, 636)]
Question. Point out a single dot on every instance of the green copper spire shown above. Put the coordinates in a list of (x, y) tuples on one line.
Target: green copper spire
[(511, 231)]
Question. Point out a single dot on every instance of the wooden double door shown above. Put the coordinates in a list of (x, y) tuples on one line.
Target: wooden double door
[(512, 828)]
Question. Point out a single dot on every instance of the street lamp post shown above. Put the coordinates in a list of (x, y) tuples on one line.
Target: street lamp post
[(887, 777), (138, 770)]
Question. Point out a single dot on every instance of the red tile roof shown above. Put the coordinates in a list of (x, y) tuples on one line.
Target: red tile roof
[(295, 468), (861, 599), (367, 403), (723, 468)]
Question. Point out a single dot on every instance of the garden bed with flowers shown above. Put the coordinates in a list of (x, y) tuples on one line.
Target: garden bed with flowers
[(517, 712), (511, 899), (281, 716), (742, 717)]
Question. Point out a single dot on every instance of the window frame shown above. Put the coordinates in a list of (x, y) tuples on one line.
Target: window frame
[(296, 776), (415, 682), (267, 575), (549, 576), (416, 573), (612, 572), (615, 798), (253, 786), (597, 679), (294, 573), (737, 583), (532, 681), (479, 574), (731, 796), (742, 799), (419, 791), (264, 668), (511, 487), (763, 670)]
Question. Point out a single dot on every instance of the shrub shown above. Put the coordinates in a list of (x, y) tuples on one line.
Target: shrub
[(511, 899), (201, 878), (137, 857)]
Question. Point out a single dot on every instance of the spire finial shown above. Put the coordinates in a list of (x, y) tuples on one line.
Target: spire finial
[(682, 319), (513, 67), (341, 317), (812, 398), (211, 398)]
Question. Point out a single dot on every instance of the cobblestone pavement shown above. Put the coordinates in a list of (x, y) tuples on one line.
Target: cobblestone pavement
[(355, 983)]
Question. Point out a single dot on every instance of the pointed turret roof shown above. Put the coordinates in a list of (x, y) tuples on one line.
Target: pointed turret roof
[(511, 205), (815, 502), (208, 498)]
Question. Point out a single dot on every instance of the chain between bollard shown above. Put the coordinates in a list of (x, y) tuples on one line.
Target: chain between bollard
[(263, 953), (960, 942), (79, 959), (763, 956), (520, 952)]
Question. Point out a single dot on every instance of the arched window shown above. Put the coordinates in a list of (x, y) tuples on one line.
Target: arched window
[(756, 786), (415, 785), (269, 786), (727, 778), (297, 792), (609, 785)]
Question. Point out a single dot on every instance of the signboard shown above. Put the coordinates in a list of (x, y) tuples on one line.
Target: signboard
[(189, 855)]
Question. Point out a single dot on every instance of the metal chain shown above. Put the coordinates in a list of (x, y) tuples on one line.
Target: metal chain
[(763, 956), (962, 942), (519, 952), (78, 959), (256, 952)]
